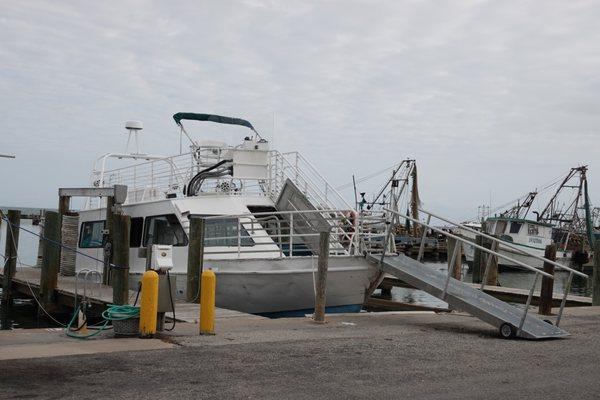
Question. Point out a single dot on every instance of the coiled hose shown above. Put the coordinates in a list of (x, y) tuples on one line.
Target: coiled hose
[(112, 313)]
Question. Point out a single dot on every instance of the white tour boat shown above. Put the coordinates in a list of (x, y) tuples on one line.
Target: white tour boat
[(263, 213)]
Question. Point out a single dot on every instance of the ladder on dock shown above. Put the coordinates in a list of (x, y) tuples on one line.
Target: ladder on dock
[(511, 321), (464, 297)]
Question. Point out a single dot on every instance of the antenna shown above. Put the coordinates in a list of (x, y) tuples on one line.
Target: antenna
[(133, 128)]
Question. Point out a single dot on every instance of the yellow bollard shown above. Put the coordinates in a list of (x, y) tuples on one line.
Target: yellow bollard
[(149, 304), (207, 302)]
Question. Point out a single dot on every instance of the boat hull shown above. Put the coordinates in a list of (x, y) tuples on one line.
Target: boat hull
[(285, 287)]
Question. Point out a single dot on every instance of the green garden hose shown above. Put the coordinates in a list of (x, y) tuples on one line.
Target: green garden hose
[(112, 313)]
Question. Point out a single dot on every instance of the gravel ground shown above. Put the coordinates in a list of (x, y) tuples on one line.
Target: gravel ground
[(420, 356)]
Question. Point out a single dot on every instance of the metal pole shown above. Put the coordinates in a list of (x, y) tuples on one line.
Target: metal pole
[(422, 247), (564, 299), (528, 303)]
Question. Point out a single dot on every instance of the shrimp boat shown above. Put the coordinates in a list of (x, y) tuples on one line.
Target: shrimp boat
[(262, 209), (568, 224)]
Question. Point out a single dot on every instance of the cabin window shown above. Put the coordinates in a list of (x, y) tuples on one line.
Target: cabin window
[(224, 232), (135, 235), (164, 229), (506, 238), (532, 230), (91, 236), (515, 227)]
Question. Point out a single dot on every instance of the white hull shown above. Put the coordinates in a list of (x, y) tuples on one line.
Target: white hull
[(284, 285)]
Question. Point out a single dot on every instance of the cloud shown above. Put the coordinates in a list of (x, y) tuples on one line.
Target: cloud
[(488, 96)]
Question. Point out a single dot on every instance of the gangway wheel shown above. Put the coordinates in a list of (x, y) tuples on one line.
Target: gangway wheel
[(507, 331)]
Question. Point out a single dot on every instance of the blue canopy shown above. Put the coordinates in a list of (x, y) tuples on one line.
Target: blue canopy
[(211, 117)]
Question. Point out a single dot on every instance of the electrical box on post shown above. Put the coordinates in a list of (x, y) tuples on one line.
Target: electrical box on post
[(162, 257)]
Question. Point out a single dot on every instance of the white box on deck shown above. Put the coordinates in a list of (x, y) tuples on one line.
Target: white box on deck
[(250, 164)]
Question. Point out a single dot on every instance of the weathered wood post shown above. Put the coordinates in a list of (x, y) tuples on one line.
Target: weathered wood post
[(51, 258), (10, 264), (120, 272), (477, 258), (323, 262), (195, 262), (64, 202), (456, 269), (109, 250), (545, 307), (490, 263), (596, 275)]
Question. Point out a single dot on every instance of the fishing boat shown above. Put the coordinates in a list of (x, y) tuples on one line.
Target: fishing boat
[(568, 224), (528, 235), (262, 210)]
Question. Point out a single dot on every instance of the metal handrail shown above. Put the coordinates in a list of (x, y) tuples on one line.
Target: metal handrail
[(343, 241), (471, 243), (328, 186), (506, 244), (248, 215)]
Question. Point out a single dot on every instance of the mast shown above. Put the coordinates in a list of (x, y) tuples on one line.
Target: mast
[(567, 218), (414, 198), (588, 216)]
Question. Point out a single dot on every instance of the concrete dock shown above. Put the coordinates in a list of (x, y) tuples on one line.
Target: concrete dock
[(418, 355)]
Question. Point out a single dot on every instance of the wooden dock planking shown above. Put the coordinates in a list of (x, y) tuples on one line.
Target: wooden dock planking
[(190, 312), (27, 280)]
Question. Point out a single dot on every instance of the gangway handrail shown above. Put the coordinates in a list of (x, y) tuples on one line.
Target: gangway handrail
[(320, 176), (448, 234), (506, 244)]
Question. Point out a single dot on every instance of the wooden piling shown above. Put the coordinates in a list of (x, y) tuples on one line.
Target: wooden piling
[(51, 258), (545, 306), (477, 253), (120, 272), (108, 256), (596, 275), (10, 264), (456, 269), (64, 203), (491, 263), (195, 261), (386, 292), (321, 283)]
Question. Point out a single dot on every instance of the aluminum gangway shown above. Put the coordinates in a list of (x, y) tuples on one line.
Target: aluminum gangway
[(464, 297), (510, 320)]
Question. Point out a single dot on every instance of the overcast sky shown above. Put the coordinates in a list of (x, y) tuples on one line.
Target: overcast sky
[(491, 98)]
